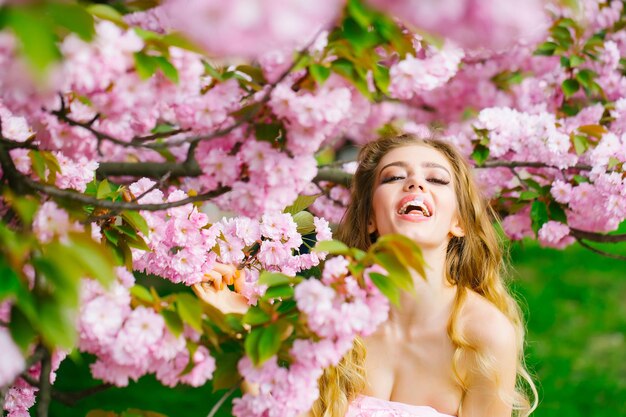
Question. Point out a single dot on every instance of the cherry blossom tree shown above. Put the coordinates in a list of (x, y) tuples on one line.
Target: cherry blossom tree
[(168, 140)]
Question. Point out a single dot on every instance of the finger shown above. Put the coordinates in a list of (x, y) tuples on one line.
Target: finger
[(240, 279), (224, 269)]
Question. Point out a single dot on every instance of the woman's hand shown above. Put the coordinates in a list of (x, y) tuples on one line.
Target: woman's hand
[(214, 290)]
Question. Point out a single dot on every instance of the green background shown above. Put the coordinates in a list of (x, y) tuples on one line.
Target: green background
[(576, 315)]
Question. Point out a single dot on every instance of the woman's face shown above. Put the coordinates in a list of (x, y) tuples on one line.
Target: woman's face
[(414, 195)]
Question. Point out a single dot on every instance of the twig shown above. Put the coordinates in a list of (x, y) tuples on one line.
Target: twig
[(219, 402), (13, 144), (44, 385), (601, 252), (335, 175)]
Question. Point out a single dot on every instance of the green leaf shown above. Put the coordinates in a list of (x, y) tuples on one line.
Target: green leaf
[(140, 292), (173, 322), (166, 67), (255, 316), (251, 344), (398, 273), (538, 215), (145, 65), (272, 279), (333, 247), (226, 374), (280, 291), (39, 164), (269, 342), (255, 73), (21, 329), (319, 73), (570, 87), (112, 236), (36, 35), (302, 203), (546, 48), (575, 61), (94, 258), (405, 250), (268, 132), (586, 77), (528, 195), (613, 162), (382, 78), (26, 207), (56, 325), (106, 12), (304, 220), (557, 213), (137, 221), (480, 154), (104, 190), (190, 310), (180, 41), (563, 36), (360, 13), (581, 144), (74, 18), (385, 285)]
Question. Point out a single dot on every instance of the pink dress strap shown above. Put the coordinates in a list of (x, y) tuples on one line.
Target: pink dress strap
[(365, 406)]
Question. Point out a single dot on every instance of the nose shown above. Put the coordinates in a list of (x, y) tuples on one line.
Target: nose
[(413, 184)]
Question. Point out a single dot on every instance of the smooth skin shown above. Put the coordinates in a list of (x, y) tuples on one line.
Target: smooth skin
[(409, 358)]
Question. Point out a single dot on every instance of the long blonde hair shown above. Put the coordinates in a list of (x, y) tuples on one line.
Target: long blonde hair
[(473, 262)]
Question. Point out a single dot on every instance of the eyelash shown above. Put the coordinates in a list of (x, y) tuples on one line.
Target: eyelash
[(434, 180)]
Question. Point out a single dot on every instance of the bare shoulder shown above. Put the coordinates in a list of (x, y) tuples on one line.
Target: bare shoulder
[(486, 327)]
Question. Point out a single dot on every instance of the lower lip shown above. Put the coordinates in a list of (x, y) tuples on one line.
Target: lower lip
[(412, 218)]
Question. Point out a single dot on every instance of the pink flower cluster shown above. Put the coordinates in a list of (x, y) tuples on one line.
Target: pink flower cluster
[(130, 343), (11, 362), (337, 310), (244, 28), (414, 75), (494, 24), (526, 137), (314, 117), (21, 395)]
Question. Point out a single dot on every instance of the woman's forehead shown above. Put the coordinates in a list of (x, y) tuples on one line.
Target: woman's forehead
[(415, 155)]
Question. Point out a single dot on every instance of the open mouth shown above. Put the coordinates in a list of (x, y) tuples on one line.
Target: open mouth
[(414, 206)]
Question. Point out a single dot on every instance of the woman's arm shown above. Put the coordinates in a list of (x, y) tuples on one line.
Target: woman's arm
[(491, 369)]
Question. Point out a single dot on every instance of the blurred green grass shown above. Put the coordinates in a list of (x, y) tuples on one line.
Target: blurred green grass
[(576, 315)]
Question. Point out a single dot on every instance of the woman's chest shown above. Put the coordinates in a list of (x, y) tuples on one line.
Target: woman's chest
[(413, 369)]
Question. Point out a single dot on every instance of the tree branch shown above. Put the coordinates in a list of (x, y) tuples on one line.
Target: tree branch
[(335, 175), (71, 398), (521, 164), (44, 386), (119, 205), (597, 237), (149, 169), (601, 252)]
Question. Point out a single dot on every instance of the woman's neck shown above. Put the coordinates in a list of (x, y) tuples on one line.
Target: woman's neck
[(433, 293)]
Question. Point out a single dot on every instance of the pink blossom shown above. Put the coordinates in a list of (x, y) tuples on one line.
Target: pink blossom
[(555, 234)]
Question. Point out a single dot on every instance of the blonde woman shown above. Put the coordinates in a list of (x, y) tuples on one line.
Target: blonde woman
[(456, 349)]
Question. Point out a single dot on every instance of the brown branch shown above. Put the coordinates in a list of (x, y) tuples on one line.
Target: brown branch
[(45, 389), (119, 205), (521, 164), (13, 144), (71, 398), (149, 169), (601, 252), (597, 237), (335, 175)]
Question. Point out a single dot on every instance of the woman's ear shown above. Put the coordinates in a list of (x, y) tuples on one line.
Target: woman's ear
[(371, 226), (457, 230)]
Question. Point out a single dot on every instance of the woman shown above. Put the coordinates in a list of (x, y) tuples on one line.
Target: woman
[(457, 348)]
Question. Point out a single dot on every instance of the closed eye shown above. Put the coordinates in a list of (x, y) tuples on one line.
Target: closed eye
[(439, 181), (391, 179)]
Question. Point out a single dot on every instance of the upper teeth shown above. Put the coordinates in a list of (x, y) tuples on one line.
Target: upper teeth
[(418, 202)]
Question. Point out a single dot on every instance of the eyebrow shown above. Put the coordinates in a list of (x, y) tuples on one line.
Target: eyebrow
[(423, 164)]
